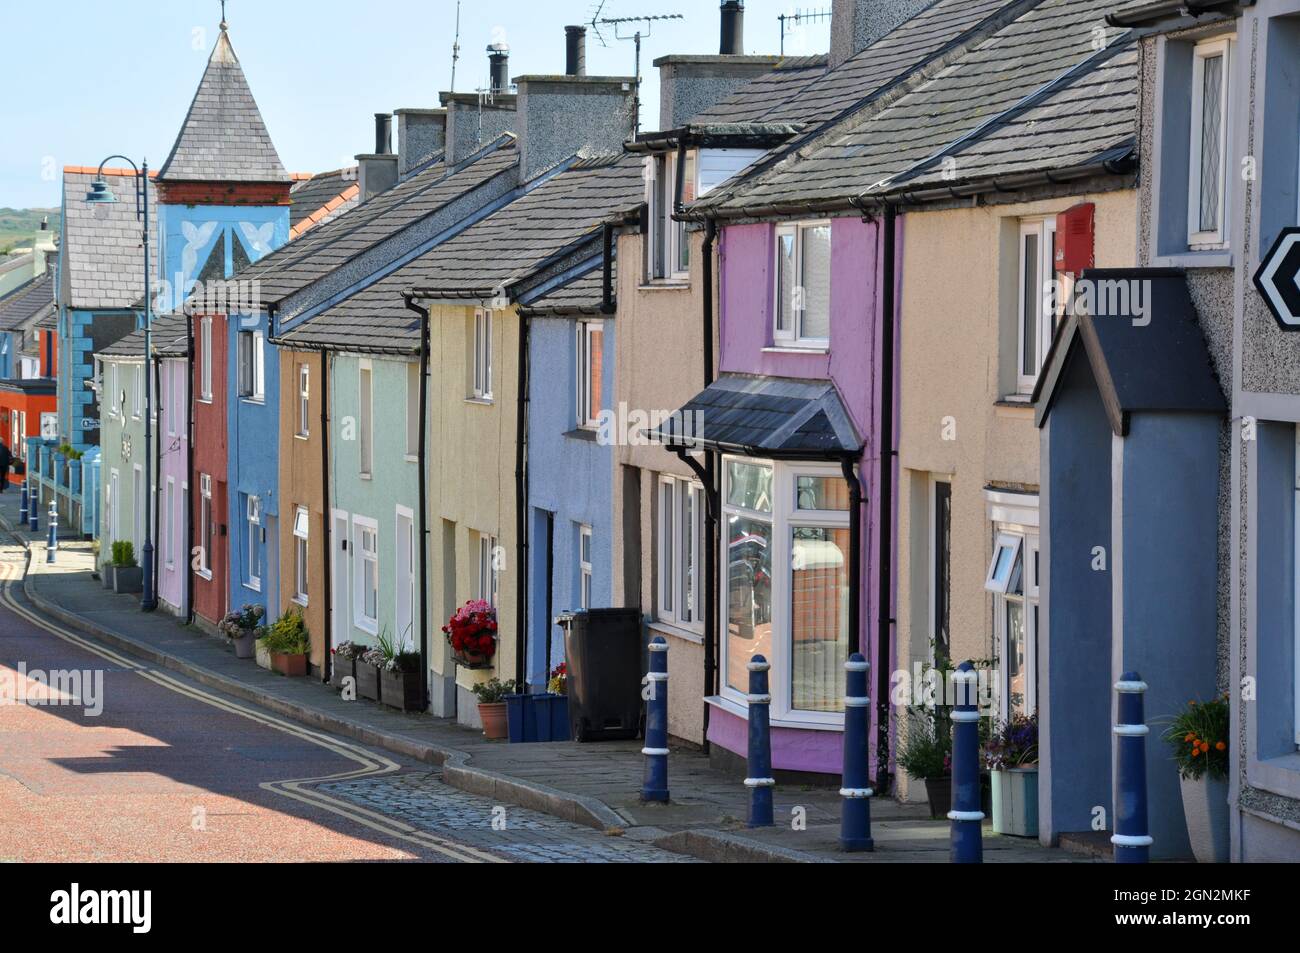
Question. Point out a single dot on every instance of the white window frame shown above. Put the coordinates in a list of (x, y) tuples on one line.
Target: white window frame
[(784, 518), (586, 577), (1044, 229), (304, 400), (137, 390), (1013, 518), (586, 330), (205, 525), (366, 419), (673, 535), (253, 530), (301, 555), (667, 237), (205, 359), (362, 525), (489, 577), (169, 526), (793, 336), (1198, 238), (481, 372), (252, 376)]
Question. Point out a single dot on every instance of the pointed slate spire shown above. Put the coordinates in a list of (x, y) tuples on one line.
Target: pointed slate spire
[(223, 138)]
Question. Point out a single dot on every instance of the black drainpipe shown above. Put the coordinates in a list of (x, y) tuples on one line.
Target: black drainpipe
[(327, 667), (607, 274), (855, 553), (189, 468), (422, 467), (521, 512), (886, 621), (712, 529), (160, 408)]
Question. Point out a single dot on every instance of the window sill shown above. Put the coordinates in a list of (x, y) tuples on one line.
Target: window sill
[(1195, 258), (204, 574), (365, 476), (412, 458), (300, 601), (479, 401), (581, 433), (665, 284), (258, 401), (796, 349), (675, 631), (366, 626), (304, 437), (253, 586), (742, 711)]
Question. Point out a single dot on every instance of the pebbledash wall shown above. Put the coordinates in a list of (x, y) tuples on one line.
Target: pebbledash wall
[(851, 362)]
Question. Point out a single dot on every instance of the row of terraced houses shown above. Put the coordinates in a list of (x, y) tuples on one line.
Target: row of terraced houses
[(780, 374)]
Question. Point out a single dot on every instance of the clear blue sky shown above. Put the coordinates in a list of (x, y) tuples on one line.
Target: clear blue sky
[(87, 78)]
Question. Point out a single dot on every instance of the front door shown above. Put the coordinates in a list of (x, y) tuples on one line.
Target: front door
[(339, 589), (404, 583)]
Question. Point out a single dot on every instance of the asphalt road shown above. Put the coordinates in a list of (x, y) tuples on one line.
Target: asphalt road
[(171, 771)]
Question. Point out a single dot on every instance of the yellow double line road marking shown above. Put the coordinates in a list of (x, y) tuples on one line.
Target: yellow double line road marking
[(369, 763)]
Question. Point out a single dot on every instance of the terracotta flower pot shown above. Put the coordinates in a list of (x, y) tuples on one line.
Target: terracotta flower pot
[(294, 666), (494, 720), (1205, 806)]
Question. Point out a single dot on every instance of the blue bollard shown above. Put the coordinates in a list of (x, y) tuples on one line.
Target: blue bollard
[(52, 544), (33, 511), (655, 786), (966, 816), (855, 817), (1132, 838), (760, 781), (22, 503)]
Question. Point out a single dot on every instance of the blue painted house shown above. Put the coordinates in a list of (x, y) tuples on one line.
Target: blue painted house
[(224, 204)]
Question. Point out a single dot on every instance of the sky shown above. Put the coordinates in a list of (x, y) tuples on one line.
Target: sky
[(89, 78)]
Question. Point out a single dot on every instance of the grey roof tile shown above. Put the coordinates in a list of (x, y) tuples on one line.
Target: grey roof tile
[(30, 302), (104, 257)]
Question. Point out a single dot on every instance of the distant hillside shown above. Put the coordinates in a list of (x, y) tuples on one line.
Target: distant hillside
[(18, 225)]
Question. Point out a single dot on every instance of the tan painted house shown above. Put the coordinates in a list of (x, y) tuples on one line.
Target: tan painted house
[(304, 523)]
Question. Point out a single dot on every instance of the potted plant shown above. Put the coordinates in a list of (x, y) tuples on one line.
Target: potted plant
[(926, 755), (552, 708), (368, 664), (472, 634), (1011, 755), (344, 663), (399, 675), (289, 644), (242, 628), (1198, 737), (491, 697), (127, 576)]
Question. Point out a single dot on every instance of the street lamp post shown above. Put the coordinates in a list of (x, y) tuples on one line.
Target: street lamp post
[(101, 196)]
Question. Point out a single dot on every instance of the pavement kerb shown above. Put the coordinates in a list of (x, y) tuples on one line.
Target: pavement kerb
[(719, 847)]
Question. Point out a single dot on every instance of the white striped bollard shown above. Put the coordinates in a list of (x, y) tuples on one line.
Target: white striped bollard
[(1132, 838), (855, 816), (52, 543), (966, 830), (760, 781), (655, 786), (22, 502)]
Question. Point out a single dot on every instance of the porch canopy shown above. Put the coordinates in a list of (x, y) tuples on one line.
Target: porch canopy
[(774, 417)]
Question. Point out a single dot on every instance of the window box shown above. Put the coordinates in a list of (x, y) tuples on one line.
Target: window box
[(367, 676), (400, 690)]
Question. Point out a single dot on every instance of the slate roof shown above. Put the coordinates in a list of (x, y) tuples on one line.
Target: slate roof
[(757, 99), (555, 217), (765, 417), (102, 259), (1163, 365), (990, 77), (321, 198), (223, 138), (585, 294), (326, 247), (30, 302), (170, 338), (1080, 120)]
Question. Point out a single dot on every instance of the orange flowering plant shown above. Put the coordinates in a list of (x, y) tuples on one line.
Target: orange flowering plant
[(1199, 739)]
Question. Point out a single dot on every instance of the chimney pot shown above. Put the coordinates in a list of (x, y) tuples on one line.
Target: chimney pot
[(575, 59), (499, 64), (733, 28), (383, 134)]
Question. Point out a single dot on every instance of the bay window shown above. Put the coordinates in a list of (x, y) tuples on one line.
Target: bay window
[(680, 542), (802, 296), (786, 539)]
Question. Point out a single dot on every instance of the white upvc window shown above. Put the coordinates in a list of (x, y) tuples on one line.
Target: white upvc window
[(365, 554), (205, 359), (1036, 310), (301, 567), (169, 524), (366, 419), (1207, 182), (205, 525), (590, 361), (1013, 577), (137, 390), (786, 555), (489, 576), (668, 247), (481, 376), (304, 399), (584, 567), (801, 313), (413, 419), (252, 365), (108, 374), (253, 537), (681, 547)]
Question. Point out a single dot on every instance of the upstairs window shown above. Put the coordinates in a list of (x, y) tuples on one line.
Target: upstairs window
[(252, 365), (591, 342), (481, 372), (205, 359), (304, 400), (1207, 181), (669, 247), (137, 391), (1037, 316), (366, 420), (802, 312), (489, 577)]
